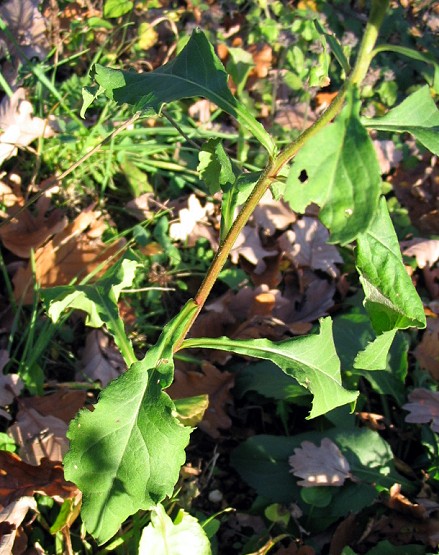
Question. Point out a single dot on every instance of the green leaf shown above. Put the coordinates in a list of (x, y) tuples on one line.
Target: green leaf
[(117, 8), (311, 360), (190, 410), (335, 45), (417, 114), (391, 299), (215, 167), (196, 71), (98, 301), (338, 170), (89, 95), (184, 536), (374, 356), (126, 454)]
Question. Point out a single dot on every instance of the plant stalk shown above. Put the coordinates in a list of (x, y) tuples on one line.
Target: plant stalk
[(274, 167)]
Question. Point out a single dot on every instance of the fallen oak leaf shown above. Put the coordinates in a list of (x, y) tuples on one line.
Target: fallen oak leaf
[(63, 404), (423, 408), (249, 246), (11, 518), (28, 232), (306, 246), (70, 255), (39, 436), (271, 214), (19, 127), (426, 251), (319, 466), (102, 361)]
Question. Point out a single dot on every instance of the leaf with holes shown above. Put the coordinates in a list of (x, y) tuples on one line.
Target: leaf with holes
[(338, 170)]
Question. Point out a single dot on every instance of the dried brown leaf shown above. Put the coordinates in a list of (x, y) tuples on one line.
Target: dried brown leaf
[(272, 215), (72, 254), (19, 126), (101, 360), (306, 246), (216, 385), (28, 232), (19, 479), (62, 404), (319, 466), (249, 246), (388, 156), (12, 516), (427, 351), (426, 251), (423, 408), (28, 26), (10, 385), (39, 436)]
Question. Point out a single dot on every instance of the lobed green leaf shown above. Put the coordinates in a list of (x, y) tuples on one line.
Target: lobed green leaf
[(195, 72), (311, 360), (417, 114)]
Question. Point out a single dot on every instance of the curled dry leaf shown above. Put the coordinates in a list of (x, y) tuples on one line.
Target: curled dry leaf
[(216, 385), (19, 479), (101, 360), (319, 466), (19, 126), (71, 255), (426, 251), (306, 246), (423, 408), (427, 351), (11, 518)]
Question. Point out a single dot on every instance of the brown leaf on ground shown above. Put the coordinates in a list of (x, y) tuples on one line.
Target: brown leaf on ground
[(400, 503), (19, 126), (423, 408), (72, 254), (10, 385), (63, 404), (271, 214), (418, 190), (319, 466), (262, 56), (101, 360), (28, 26), (11, 518), (306, 246), (294, 116), (39, 436), (249, 246), (427, 351), (347, 532), (308, 306), (426, 251), (388, 156), (28, 232), (209, 381), (19, 479)]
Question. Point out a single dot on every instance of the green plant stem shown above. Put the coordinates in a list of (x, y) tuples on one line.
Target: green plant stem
[(273, 169)]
